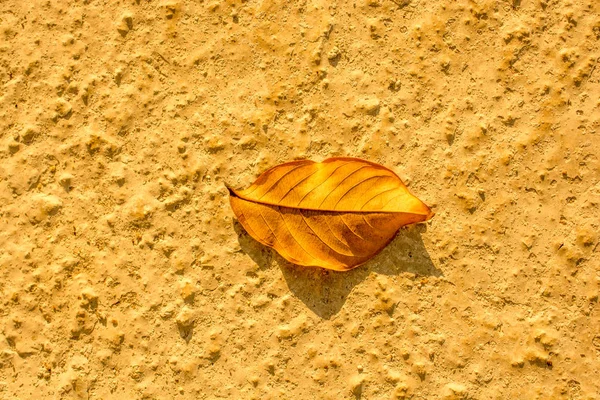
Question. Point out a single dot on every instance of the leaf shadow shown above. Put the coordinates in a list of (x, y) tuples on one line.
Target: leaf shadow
[(323, 291)]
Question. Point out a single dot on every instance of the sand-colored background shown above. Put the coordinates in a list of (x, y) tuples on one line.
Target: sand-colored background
[(124, 275)]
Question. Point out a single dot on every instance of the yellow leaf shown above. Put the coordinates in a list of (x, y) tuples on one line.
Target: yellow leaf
[(336, 214)]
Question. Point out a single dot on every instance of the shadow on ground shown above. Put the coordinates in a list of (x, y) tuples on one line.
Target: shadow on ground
[(325, 291)]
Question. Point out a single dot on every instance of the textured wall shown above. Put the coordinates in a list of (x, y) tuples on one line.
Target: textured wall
[(124, 275)]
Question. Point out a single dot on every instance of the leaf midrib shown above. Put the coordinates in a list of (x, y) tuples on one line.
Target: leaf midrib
[(233, 192)]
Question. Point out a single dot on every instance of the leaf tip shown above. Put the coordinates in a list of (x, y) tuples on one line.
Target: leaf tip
[(430, 215)]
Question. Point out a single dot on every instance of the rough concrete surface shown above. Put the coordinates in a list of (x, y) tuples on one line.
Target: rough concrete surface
[(124, 274)]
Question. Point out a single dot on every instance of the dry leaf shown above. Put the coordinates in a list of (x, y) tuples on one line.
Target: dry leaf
[(335, 214)]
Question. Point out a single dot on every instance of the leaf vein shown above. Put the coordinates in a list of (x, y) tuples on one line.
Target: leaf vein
[(275, 236), (342, 181), (326, 179), (350, 229), (378, 194), (296, 185), (391, 200), (319, 237), (292, 235), (280, 178), (356, 185)]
